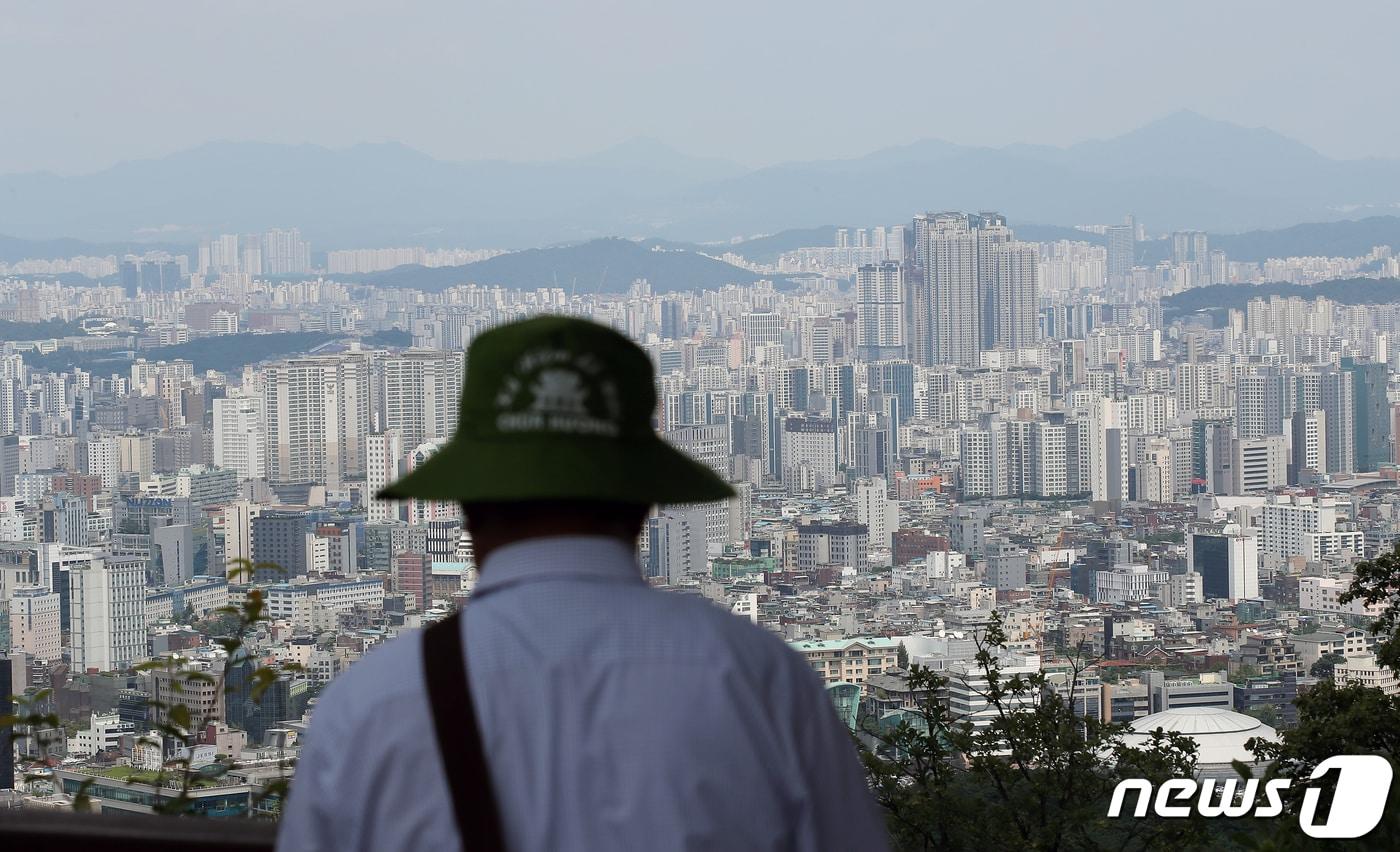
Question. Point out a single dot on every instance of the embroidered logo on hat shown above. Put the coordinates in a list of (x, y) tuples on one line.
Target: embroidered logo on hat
[(553, 390)]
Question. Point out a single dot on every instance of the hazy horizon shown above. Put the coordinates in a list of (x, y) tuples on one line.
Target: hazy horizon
[(103, 84)]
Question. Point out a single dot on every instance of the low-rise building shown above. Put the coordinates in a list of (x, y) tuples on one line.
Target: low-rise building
[(849, 660)]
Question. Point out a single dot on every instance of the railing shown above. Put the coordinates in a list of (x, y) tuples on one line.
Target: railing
[(38, 829)]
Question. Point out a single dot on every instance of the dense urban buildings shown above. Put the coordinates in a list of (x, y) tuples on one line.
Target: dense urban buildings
[(925, 422)]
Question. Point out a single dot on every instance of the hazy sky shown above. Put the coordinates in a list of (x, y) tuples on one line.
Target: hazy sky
[(84, 84)]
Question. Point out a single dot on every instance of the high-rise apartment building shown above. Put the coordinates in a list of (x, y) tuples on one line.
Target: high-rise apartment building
[(1011, 306), (420, 394), (978, 289), (953, 296), (238, 531), (1122, 246), (1191, 250), (1261, 404), (220, 255), (880, 304), (103, 460), (384, 463), (284, 252), (316, 412), (1336, 399), (708, 445), (240, 438)]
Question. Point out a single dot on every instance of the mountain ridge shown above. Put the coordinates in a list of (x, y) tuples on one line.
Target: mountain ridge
[(1183, 170)]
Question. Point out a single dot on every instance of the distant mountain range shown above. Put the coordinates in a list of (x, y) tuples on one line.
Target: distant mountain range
[(14, 248), (1217, 299), (1183, 171), (595, 266)]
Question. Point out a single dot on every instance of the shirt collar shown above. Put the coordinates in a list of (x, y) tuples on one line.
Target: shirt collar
[(559, 557)]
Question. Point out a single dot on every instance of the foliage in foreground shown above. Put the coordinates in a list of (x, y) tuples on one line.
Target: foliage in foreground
[(1038, 776), (176, 720), (1034, 775)]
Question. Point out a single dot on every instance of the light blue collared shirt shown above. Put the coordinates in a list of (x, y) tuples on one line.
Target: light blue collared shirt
[(615, 716)]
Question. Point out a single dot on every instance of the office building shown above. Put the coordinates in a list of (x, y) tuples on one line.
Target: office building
[(808, 449), (876, 511), (1128, 583), (1259, 464), (1227, 562), (108, 620), (279, 545), (1370, 413), (35, 622), (677, 544), (1006, 566), (843, 545)]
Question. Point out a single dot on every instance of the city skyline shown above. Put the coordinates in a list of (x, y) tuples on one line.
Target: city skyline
[(926, 424), (1028, 376)]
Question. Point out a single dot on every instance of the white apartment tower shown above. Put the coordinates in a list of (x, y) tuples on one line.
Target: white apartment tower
[(384, 456), (1014, 299), (954, 298), (880, 311), (284, 252), (979, 289), (240, 437), (317, 416), (238, 530), (421, 393)]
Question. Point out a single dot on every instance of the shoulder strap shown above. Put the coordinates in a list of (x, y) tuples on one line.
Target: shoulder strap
[(459, 738)]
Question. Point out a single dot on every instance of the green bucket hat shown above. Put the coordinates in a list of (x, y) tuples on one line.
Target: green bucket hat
[(557, 408)]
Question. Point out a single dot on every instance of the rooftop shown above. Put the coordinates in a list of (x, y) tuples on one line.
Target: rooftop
[(842, 644), (1220, 734)]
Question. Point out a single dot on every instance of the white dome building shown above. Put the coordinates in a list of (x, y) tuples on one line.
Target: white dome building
[(1220, 736)]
